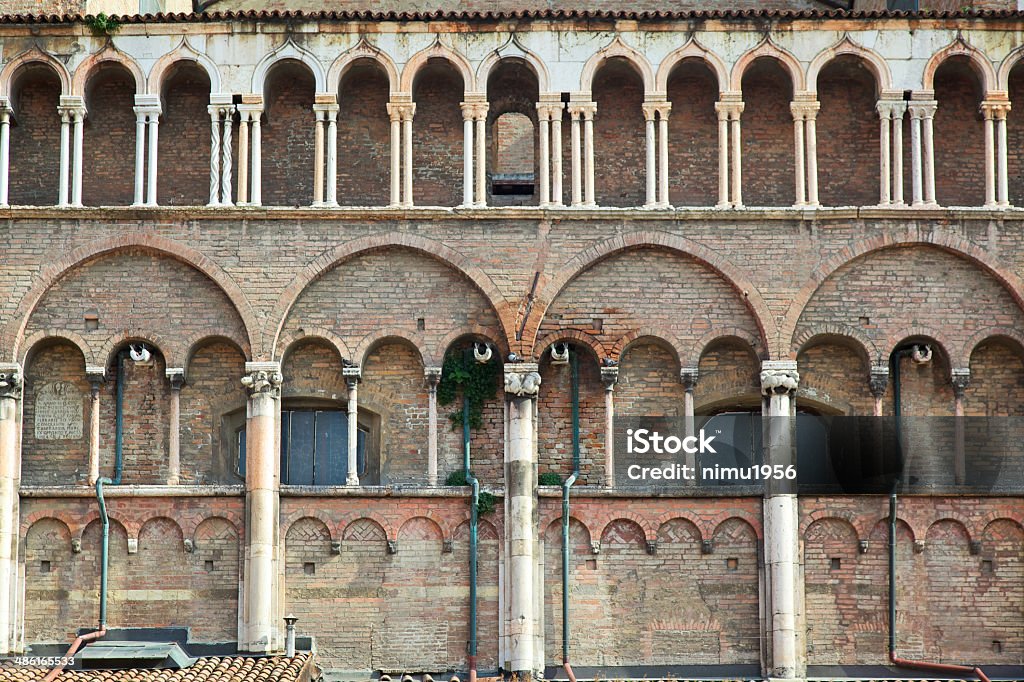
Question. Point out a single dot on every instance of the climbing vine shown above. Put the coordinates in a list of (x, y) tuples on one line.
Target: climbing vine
[(485, 503), (103, 24), (477, 381)]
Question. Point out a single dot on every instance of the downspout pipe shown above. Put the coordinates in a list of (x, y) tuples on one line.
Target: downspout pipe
[(894, 658), (566, 486), (473, 535), (105, 523)]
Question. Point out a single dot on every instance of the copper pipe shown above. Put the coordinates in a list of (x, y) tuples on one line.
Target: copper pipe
[(79, 641), (569, 672), (472, 668), (938, 667)]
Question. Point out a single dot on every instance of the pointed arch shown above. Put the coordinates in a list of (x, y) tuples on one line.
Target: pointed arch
[(289, 50), (513, 49), (618, 48), (846, 46), (1006, 68), (961, 48), (768, 48), (183, 52), (109, 53), (692, 50), (438, 50), (33, 55), (362, 50)]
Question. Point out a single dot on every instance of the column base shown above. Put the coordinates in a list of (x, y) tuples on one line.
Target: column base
[(723, 204)]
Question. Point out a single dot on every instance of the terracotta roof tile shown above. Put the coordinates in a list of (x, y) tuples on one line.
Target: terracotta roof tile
[(365, 15), (213, 669)]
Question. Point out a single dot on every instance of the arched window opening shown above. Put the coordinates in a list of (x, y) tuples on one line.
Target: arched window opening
[(513, 155)]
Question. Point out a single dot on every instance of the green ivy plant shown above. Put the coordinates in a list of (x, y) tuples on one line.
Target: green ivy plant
[(485, 503), (549, 478), (103, 24), (474, 380)]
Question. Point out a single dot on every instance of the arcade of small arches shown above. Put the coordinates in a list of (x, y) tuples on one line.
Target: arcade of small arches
[(663, 358), (766, 130)]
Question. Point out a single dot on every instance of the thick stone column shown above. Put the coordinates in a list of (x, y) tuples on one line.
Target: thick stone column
[(176, 378), (353, 375), (432, 376), (10, 460), (522, 384), (259, 624), (786, 661), (609, 377)]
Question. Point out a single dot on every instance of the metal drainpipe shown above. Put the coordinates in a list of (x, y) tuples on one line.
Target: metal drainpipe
[(105, 521), (575, 397), (473, 536), (894, 372)]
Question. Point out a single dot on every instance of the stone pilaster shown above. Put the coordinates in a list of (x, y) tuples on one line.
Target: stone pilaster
[(11, 384)]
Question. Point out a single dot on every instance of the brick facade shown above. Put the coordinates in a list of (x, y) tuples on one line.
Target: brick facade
[(657, 577)]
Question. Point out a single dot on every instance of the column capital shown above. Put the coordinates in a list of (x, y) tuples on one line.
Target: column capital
[(252, 111), (96, 375), (176, 377), (995, 108), (148, 103), (922, 109), (879, 380), (11, 380), (960, 377), (891, 108), (779, 377), (72, 105), (584, 110), (653, 110), (689, 376), (522, 379), (432, 375), (548, 111), (352, 375), (609, 377), (5, 107), (730, 109), (263, 378), (402, 111), (804, 110)]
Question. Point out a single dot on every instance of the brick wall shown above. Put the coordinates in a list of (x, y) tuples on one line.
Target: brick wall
[(287, 136), (213, 392), (693, 136), (729, 376), (619, 147), (160, 585), (108, 151), (35, 138), (672, 607), (847, 134), (394, 615), (952, 605), (554, 419), (147, 400), (394, 387), (64, 461), (835, 375), (364, 138), (997, 381), (184, 143), (437, 153), (959, 136), (1015, 138), (767, 135)]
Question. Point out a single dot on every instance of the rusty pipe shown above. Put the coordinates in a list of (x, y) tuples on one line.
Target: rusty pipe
[(76, 645)]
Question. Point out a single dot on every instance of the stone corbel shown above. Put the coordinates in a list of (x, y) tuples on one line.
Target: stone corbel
[(522, 380), (879, 380), (352, 375), (779, 380), (176, 377), (960, 378), (609, 377), (11, 381)]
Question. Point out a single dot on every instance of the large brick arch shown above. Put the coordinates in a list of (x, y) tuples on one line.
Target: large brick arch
[(326, 261), (13, 334), (787, 341), (731, 274)]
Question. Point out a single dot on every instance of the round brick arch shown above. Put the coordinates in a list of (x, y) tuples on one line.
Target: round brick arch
[(954, 244), (13, 333), (329, 259), (590, 257)]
